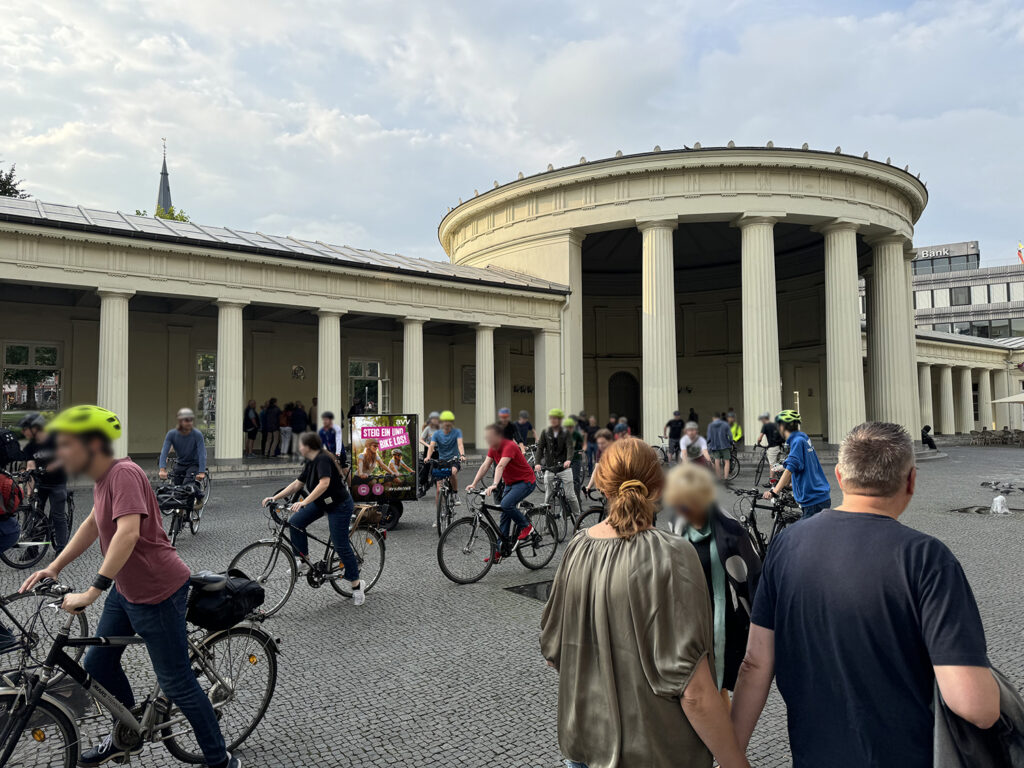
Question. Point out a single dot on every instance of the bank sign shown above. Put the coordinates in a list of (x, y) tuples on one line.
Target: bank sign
[(952, 249), (384, 457)]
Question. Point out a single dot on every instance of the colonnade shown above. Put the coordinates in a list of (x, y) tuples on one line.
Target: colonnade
[(955, 384)]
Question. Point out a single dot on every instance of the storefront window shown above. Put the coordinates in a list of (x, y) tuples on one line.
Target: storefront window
[(32, 379)]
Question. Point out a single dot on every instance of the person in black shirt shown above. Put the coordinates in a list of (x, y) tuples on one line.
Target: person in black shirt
[(325, 494), (673, 429), (693, 416), (40, 453), (508, 429), (773, 442), (926, 439), (858, 617)]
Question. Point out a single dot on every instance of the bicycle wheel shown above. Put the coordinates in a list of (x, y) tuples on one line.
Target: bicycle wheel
[(174, 526), (759, 471), (48, 740), (195, 517), (589, 520), (205, 489), (272, 564), (36, 630), (444, 514), (390, 514), (744, 511), (466, 551), (662, 455), (562, 518), (368, 545), (237, 670), (537, 551), (734, 467), (71, 513), (33, 542)]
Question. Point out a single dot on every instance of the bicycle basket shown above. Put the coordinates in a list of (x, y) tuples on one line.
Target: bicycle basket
[(223, 608), (174, 497), (367, 513), (440, 473)]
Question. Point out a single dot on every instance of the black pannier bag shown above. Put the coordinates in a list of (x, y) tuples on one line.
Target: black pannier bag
[(222, 608)]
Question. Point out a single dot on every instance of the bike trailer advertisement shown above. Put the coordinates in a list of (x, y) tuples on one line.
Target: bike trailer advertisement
[(384, 457)]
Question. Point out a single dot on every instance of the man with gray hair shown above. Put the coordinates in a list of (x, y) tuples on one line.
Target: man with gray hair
[(858, 616)]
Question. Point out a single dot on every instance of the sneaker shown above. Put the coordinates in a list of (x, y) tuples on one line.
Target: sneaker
[(234, 762), (458, 503), (104, 752), (302, 566), (358, 593), (526, 533), (496, 558)]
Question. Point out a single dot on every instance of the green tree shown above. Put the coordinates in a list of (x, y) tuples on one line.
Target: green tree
[(172, 214), (10, 184)]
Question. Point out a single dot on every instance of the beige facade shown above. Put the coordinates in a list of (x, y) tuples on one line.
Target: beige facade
[(706, 278)]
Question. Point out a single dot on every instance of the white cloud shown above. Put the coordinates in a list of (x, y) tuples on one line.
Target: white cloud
[(363, 121)]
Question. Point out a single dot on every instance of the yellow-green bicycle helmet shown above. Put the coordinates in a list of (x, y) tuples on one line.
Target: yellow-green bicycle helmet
[(82, 419), (556, 413), (447, 416), (788, 416)]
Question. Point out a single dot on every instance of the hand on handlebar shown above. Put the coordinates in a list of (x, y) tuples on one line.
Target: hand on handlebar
[(770, 493), (267, 501), (78, 602), (46, 573), (163, 473), (491, 489)]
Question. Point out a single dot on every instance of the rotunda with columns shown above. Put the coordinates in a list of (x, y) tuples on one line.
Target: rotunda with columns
[(724, 277)]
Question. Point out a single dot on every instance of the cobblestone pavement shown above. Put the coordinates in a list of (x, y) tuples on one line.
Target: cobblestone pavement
[(428, 673)]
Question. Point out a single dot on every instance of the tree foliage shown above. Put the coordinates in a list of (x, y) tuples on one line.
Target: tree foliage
[(172, 213), (10, 184)]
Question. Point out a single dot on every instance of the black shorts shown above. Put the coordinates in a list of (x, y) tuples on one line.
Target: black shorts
[(251, 433)]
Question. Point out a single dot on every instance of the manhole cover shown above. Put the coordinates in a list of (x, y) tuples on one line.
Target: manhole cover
[(538, 590)]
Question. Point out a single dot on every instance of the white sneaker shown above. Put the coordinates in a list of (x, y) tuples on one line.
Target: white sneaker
[(302, 566), (358, 594)]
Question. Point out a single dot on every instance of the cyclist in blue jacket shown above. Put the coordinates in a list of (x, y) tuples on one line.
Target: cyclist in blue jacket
[(802, 468)]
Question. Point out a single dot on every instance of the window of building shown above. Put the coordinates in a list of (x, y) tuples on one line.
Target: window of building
[(973, 260), (960, 297), (943, 327), (1016, 291), (32, 378), (980, 328), (956, 263), (974, 400), (922, 299), (1017, 327), (368, 387), (1000, 329), (964, 329), (922, 267), (997, 293), (979, 294), (206, 390), (940, 265), (940, 297)]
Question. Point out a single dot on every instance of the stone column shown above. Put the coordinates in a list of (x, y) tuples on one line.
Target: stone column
[(412, 366), (870, 349), (924, 390), (891, 381), (844, 369), (660, 388), (485, 408), (985, 398), (230, 397), (572, 328), (328, 367), (761, 374), (546, 375), (965, 403), (503, 376), (908, 272), (947, 413), (112, 375), (1002, 410)]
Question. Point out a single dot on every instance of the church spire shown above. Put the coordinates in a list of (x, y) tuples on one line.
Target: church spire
[(163, 196)]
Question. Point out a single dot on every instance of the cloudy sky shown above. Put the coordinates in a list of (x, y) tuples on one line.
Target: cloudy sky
[(361, 122)]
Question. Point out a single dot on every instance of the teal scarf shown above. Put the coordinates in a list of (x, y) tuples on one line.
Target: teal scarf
[(718, 588)]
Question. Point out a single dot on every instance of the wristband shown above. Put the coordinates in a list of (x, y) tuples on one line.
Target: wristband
[(102, 583)]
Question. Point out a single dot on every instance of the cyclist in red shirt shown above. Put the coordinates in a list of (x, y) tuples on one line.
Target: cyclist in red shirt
[(510, 466)]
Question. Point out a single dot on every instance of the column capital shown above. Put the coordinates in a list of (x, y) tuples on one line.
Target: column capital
[(841, 224), (645, 224), (104, 293), (330, 312), (486, 326), (892, 238), (757, 217), (415, 320), (232, 302)]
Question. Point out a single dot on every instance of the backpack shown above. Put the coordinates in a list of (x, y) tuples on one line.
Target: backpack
[(11, 495), (223, 608), (10, 450)]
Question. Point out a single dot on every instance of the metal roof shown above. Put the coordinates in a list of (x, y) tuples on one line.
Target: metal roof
[(76, 217), (1011, 343)]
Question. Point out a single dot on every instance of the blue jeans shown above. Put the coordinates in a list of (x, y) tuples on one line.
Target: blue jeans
[(591, 456), (510, 499), (812, 509), (57, 495), (338, 519), (162, 626), (9, 535)]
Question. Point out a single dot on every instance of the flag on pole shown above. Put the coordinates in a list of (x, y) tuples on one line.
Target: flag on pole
[(1020, 251)]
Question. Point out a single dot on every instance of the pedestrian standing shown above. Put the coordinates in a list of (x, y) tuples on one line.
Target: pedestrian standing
[(286, 429), (591, 430), (628, 626), (858, 617), (251, 428), (272, 421), (720, 445), (314, 413), (300, 423)]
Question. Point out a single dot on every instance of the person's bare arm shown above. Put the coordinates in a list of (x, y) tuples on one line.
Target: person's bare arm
[(121, 546), (462, 449), (498, 472), (86, 534), (971, 692), (292, 487), (703, 706), (754, 682), (481, 472)]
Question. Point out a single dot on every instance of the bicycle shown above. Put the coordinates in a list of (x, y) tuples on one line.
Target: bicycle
[(274, 560), (204, 487), (236, 667), (763, 463), (36, 526), (593, 515), (530, 454), (447, 496), (470, 546), (177, 504), (668, 451), (562, 510), (734, 463), (29, 626), (783, 508)]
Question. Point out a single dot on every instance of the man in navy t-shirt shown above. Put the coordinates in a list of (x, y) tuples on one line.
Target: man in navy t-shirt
[(802, 468), (858, 616)]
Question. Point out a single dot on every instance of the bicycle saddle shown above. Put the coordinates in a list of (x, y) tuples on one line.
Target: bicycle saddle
[(208, 581)]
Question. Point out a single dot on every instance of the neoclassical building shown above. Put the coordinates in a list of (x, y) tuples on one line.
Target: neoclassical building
[(705, 278)]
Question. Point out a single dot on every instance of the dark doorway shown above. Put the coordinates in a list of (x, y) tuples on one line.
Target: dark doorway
[(624, 398)]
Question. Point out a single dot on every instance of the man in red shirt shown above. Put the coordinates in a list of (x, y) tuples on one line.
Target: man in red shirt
[(511, 466), (150, 581)]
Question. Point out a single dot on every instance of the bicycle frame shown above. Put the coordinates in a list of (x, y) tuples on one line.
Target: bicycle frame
[(482, 513)]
